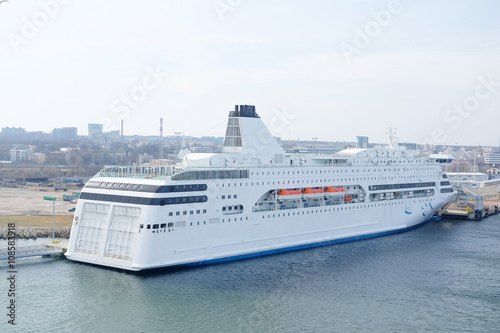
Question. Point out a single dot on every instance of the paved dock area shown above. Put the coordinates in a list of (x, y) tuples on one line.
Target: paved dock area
[(29, 202)]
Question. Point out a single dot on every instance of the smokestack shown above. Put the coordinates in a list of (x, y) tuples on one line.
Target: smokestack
[(161, 127), (122, 129)]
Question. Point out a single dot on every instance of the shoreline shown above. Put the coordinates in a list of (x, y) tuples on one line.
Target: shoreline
[(36, 232)]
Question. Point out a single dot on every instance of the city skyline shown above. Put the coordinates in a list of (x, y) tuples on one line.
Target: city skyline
[(331, 70)]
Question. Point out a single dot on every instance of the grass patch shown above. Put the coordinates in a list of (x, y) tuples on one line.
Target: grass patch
[(37, 221)]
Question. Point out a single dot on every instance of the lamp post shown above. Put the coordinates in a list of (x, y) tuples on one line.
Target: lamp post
[(314, 146), (53, 199)]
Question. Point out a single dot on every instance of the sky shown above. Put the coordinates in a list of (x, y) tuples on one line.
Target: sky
[(326, 69)]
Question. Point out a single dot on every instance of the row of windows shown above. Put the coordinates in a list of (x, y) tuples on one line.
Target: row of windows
[(397, 186), (183, 224), (143, 201), (445, 183), (210, 174), (147, 188), (229, 196), (446, 190), (156, 226), (310, 181), (237, 208), (191, 212), (337, 171)]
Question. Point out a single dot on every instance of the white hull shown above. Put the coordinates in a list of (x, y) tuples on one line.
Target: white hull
[(163, 223)]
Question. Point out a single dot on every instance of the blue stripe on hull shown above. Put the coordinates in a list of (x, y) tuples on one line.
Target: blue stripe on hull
[(301, 247)]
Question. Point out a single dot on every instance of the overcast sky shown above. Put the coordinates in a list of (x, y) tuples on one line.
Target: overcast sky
[(321, 68)]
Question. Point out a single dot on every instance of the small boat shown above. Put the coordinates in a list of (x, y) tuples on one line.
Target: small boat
[(348, 198), (334, 191), (289, 194), (313, 193)]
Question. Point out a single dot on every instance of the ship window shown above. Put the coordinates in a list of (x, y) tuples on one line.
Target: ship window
[(163, 225), (223, 197), (191, 212), (204, 211), (184, 213), (141, 226), (223, 208), (235, 196), (229, 196), (198, 211), (149, 226), (170, 214), (171, 224), (177, 213), (155, 226)]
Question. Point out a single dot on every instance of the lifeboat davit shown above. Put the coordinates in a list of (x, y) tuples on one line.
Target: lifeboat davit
[(289, 194), (334, 191)]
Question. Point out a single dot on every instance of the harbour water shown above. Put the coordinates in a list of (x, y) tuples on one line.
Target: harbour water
[(441, 277)]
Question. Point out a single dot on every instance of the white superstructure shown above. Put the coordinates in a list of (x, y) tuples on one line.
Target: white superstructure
[(248, 199)]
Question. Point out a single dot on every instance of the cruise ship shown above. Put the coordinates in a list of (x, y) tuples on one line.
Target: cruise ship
[(249, 199)]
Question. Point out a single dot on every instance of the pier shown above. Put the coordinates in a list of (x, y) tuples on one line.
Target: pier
[(473, 204), (56, 248)]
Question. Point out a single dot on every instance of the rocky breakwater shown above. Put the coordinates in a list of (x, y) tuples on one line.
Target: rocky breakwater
[(35, 232)]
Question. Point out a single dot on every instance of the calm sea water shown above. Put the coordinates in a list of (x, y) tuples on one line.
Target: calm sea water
[(441, 277)]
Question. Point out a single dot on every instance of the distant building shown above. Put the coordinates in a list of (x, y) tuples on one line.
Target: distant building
[(65, 133), (95, 130), (145, 158), (492, 158), (20, 154), (13, 131), (493, 171), (39, 158), (362, 142)]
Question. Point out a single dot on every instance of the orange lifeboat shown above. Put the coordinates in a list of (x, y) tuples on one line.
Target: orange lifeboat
[(313, 191), (310, 193), (289, 192), (334, 191), (348, 198)]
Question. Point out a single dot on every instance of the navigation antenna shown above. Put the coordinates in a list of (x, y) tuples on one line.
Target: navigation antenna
[(392, 138)]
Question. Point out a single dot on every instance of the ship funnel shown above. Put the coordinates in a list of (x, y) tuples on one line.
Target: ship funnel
[(246, 133)]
